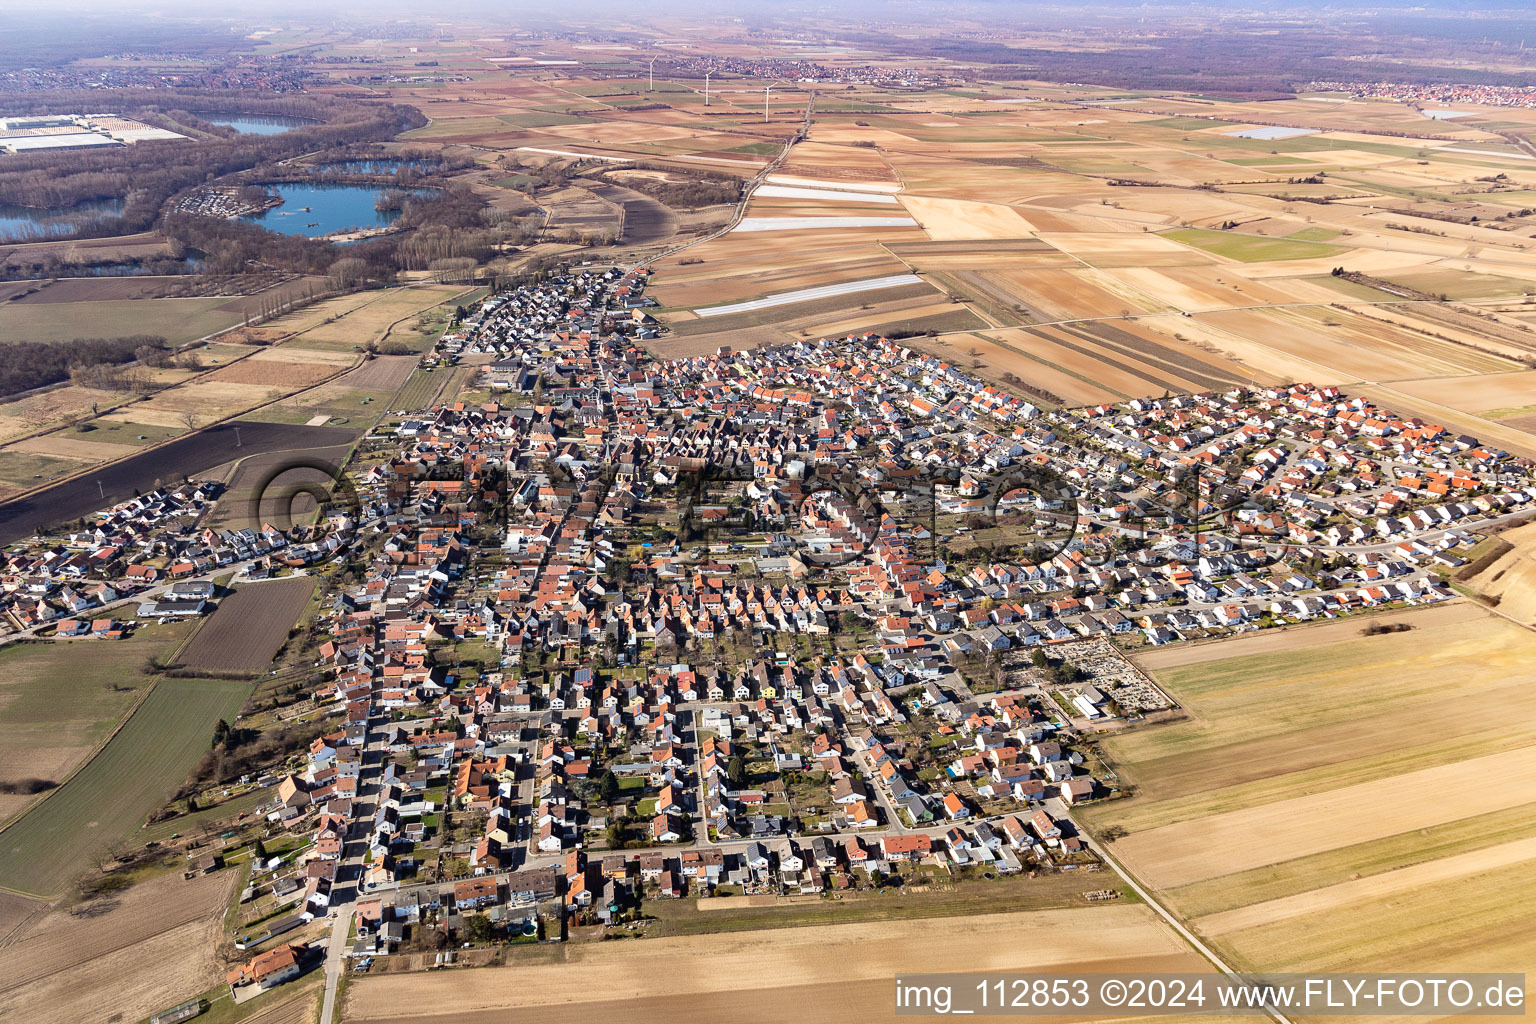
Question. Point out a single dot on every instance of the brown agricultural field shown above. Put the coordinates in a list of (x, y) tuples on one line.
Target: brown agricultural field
[(1002, 354), (381, 373), (136, 952), (753, 973), (1284, 814), (273, 372), (249, 626), (1235, 841), (947, 220), (1511, 578)]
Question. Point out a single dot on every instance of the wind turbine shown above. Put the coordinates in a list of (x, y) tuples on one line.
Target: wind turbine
[(766, 90), (653, 74), (706, 87)]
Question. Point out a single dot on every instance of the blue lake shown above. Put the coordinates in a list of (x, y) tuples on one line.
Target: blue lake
[(318, 210), (258, 124), (30, 222)]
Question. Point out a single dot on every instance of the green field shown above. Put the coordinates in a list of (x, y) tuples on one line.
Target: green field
[(1185, 123), (21, 471), (1313, 235), (60, 699), (177, 320), (517, 182), (449, 126), (1458, 284), (1251, 248), (107, 800), (117, 432)]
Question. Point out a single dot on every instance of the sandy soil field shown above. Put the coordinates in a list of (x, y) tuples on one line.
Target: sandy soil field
[(1481, 395), (1295, 638), (1201, 288), (676, 978), (148, 948), (1512, 578), (958, 219), (74, 447), (207, 399), (273, 372)]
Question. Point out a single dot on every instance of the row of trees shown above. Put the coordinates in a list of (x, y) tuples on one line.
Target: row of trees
[(25, 365)]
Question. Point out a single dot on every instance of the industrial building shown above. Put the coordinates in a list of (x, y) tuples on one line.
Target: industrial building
[(75, 131)]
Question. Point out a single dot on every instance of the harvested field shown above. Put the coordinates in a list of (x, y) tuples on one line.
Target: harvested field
[(1319, 341), (1201, 288), (749, 224), (1498, 396), (206, 399), (891, 322), (1370, 696), (809, 294), (674, 347), (44, 849), (274, 373), (144, 245), (1482, 922), (813, 311), (150, 947), (349, 324), (248, 627), (1069, 294), (382, 373), (683, 978), (1515, 435), (1125, 249), (646, 221), (185, 456), (290, 496), (17, 916), (1081, 351)]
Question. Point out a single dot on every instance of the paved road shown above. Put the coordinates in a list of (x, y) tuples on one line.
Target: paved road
[(349, 874)]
